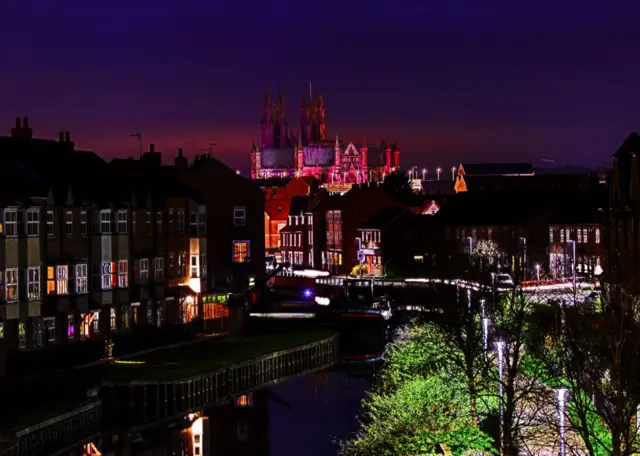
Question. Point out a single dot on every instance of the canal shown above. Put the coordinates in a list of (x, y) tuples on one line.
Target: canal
[(302, 415)]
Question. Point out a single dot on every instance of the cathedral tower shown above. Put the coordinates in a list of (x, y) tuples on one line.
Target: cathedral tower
[(273, 126), (313, 125)]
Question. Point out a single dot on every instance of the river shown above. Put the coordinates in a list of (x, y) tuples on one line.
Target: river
[(304, 415)]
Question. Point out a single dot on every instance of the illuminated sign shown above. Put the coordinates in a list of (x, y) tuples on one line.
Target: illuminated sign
[(368, 251), (215, 299)]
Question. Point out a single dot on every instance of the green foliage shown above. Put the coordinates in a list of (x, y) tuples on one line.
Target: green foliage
[(421, 400)]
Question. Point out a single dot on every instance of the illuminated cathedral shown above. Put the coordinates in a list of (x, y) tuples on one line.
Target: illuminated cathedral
[(286, 152)]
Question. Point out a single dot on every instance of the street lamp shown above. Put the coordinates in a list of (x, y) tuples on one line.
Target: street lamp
[(424, 173), (500, 347), (439, 170), (562, 401), (524, 257), (538, 274), (453, 173)]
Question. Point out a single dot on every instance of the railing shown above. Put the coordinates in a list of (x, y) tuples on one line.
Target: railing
[(140, 404), (50, 437)]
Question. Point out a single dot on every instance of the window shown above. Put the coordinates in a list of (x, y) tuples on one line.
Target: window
[(68, 223), (202, 224), (11, 289), (51, 226), (71, 327), (22, 335), (11, 222), (81, 279), (158, 269), (597, 235), (62, 279), (144, 270), (240, 251), (180, 221), (51, 280), (579, 235), (83, 223), (239, 216), (550, 235), (243, 430), (562, 232), (122, 222), (193, 224), (203, 265), (36, 324), (112, 318), (33, 222), (95, 323), (50, 329), (105, 275), (123, 273), (124, 316), (170, 218), (148, 222), (159, 222), (134, 222), (194, 266), (33, 283), (585, 235), (105, 222)]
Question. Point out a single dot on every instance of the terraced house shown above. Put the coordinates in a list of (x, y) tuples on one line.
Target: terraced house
[(96, 254)]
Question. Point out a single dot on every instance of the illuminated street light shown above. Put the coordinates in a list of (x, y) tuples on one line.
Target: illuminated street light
[(424, 173), (438, 171), (538, 274), (500, 347), (562, 401), (238, 172), (453, 173)]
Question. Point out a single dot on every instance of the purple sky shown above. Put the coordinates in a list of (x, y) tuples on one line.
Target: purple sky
[(450, 80)]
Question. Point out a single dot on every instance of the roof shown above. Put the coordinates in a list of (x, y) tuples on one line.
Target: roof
[(299, 204), (277, 209), (384, 217), (419, 210), (497, 169), (292, 228), (631, 145)]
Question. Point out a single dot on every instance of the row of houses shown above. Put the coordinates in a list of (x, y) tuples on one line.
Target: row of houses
[(90, 249), (532, 231)]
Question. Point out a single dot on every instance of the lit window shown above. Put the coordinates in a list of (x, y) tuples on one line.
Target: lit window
[(585, 235), (11, 222), (143, 275), (22, 335), (158, 269), (62, 279), (71, 327), (105, 222), (124, 316), (33, 283), (51, 226), (33, 222), (246, 400), (148, 222), (83, 223), (239, 216), (105, 275), (112, 318), (122, 222), (51, 280), (597, 235), (240, 251), (123, 273), (11, 289), (194, 266), (81, 278)]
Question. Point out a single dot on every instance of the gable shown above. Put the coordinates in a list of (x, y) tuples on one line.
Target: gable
[(351, 150)]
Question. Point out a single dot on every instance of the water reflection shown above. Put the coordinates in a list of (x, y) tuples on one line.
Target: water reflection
[(301, 416)]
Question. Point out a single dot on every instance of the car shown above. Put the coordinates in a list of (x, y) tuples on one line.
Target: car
[(503, 280)]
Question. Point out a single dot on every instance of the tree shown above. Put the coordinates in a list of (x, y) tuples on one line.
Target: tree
[(398, 185), (595, 358)]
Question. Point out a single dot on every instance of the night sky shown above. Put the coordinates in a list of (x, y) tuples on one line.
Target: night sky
[(450, 80)]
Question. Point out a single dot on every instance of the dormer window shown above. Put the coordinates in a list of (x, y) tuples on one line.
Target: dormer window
[(105, 222)]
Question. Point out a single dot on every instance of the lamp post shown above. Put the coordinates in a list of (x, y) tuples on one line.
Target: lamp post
[(424, 173), (524, 257), (500, 347), (438, 171), (562, 401), (538, 274), (453, 173)]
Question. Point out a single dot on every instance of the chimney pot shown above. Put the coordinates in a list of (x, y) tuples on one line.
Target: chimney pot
[(18, 122), (61, 136), (152, 148), (25, 122), (67, 136)]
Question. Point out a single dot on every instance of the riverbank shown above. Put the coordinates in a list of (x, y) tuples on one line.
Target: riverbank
[(45, 397)]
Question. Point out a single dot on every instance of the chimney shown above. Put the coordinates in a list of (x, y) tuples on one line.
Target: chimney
[(181, 162), (152, 148), (18, 123), (67, 137), (25, 122), (61, 136)]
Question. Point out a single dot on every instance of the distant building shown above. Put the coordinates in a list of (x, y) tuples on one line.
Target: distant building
[(284, 152), (471, 170)]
